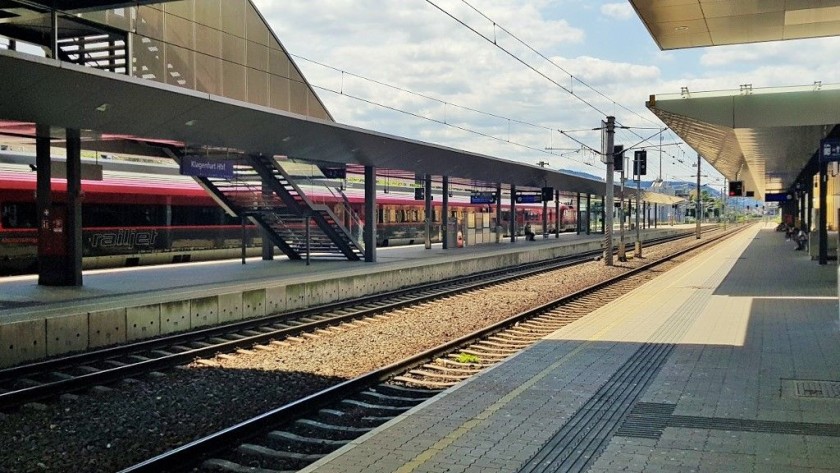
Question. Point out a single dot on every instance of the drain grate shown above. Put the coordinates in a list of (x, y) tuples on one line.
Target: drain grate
[(816, 389)]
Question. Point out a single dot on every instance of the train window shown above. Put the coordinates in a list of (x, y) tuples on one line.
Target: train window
[(188, 215), (18, 215)]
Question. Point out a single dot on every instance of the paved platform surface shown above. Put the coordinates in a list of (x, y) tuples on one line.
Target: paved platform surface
[(21, 297), (731, 362)]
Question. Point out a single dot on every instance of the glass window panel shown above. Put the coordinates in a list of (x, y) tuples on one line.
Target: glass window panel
[(208, 74), (257, 29), (278, 63), (180, 64), (209, 13), (100, 17), (258, 87), (148, 58), (279, 92), (233, 17), (208, 40), (150, 22), (178, 31), (233, 49), (121, 18), (182, 8), (297, 100), (233, 81), (257, 56)]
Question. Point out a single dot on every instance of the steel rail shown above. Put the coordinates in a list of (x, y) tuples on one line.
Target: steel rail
[(190, 454)]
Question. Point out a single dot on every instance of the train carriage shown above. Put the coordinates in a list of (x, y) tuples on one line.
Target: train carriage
[(151, 217)]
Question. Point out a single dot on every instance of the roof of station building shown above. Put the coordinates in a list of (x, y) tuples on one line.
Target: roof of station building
[(764, 137), (676, 24), (178, 109)]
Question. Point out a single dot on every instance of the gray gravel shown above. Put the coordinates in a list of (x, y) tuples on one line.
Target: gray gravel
[(112, 429)]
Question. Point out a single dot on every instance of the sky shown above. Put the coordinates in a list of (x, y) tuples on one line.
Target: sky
[(503, 77)]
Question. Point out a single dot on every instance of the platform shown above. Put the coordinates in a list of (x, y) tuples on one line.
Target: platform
[(731, 362), (119, 305)]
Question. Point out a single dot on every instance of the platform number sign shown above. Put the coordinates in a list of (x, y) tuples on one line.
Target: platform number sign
[(830, 149)]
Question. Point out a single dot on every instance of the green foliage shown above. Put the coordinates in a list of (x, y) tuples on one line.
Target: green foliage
[(467, 358)]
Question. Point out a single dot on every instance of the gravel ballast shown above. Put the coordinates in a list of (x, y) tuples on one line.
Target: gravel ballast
[(111, 429)]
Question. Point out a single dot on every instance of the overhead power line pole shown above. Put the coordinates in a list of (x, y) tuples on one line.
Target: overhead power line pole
[(607, 137), (698, 208)]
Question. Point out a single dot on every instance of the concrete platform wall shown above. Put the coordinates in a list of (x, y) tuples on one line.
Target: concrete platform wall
[(54, 335)]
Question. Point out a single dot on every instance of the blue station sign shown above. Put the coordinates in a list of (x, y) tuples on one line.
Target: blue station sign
[(830, 149), (778, 197), (528, 198), (482, 198), (203, 167)]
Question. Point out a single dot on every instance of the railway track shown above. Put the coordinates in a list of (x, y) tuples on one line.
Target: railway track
[(299, 433), (75, 373)]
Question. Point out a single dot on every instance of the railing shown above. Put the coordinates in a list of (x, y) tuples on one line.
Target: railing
[(310, 182)]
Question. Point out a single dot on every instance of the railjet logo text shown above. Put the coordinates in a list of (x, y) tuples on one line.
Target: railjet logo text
[(124, 238)]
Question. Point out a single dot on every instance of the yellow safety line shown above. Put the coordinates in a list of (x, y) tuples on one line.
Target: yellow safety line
[(469, 425)]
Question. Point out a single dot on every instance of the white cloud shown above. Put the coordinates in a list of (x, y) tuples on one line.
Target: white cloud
[(415, 46), (617, 11)]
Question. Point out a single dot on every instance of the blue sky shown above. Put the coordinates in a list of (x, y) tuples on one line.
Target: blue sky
[(413, 45)]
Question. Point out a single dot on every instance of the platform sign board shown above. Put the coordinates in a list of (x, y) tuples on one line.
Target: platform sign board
[(203, 167), (778, 197), (830, 149), (482, 198), (528, 198)]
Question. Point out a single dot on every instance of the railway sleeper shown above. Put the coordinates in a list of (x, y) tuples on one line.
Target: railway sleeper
[(59, 376), (259, 450), (439, 376), (532, 333), (494, 348), (314, 424), (406, 391), (220, 465), (509, 341), (450, 369), (396, 400), (282, 435), (375, 407), (480, 353), (425, 382), (452, 360)]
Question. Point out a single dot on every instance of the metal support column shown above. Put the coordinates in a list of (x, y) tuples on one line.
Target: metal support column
[(512, 213), (444, 218), (810, 201), (655, 215), (697, 208), (54, 33), (72, 274), (369, 233), (557, 217), (545, 220), (267, 245), (823, 212), (43, 203), (579, 213), (499, 212), (427, 196)]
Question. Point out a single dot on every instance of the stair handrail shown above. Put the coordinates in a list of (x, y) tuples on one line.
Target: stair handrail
[(350, 222)]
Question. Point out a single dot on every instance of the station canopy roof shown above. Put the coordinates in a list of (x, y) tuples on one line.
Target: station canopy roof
[(764, 137), (42, 90), (676, 24)]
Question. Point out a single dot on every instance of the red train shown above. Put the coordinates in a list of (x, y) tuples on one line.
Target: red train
[(147, 214)]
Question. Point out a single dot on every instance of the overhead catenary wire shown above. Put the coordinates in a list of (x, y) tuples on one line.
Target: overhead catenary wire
[(495, 43)]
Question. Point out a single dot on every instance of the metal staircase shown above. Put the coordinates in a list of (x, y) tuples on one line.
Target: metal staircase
[(106, 52), (263, 192)]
